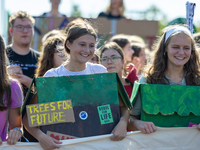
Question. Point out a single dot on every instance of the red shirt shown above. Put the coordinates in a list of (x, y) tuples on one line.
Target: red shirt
[(132, 76)]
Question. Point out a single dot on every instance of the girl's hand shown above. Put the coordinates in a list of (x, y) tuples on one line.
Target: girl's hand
[(129, 66), (48, 143), (14, 136), (145, 127), (198, 126), (120, 131)]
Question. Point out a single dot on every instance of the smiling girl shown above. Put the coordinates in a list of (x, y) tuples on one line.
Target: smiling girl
[(176, 62), (80, 45)]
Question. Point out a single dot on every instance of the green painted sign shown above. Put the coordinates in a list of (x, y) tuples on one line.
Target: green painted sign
[(105, 114), (86, 92), (168, 105)]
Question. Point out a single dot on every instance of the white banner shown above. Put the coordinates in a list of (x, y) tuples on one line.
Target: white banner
[(187, 138)]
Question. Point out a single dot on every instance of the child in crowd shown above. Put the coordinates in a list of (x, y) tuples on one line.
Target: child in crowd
[(80, 45), (112, 58), (52, 56), (11, 99), (176, 62), (138, 58), (124, 43)]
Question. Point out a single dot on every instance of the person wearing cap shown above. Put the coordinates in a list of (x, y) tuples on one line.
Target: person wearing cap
[(176, 62)]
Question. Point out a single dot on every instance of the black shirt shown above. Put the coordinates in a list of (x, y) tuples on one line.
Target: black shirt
[(26, 62), (110, 16)]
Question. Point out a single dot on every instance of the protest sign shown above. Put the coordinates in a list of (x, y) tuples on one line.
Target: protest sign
[(59, 136), (168, 105), (50, 113), (95, 101)]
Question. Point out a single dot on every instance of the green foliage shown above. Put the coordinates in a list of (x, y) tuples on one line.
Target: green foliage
[(75, 11)]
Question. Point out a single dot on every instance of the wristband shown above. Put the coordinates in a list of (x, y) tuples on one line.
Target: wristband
[(17, 129), (21, 133)]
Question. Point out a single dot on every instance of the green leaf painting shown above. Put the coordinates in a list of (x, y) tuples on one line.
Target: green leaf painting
[(170, 105), (168, 99)]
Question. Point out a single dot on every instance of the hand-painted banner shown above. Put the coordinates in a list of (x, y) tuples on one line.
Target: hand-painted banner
[(163, 139), (50, 113), (59, 136)]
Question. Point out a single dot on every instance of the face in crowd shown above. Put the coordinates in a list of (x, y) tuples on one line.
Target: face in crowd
[(112, 58), (115, 4), (82, 48), (179, 50), (59, 55), (128, 52), (22, 31)]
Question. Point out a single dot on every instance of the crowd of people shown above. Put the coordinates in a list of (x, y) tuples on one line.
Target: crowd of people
[(73, 52)]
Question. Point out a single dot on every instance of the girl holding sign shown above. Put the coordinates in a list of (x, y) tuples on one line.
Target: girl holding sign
[(11, 99), (176, 62), (80, 45)]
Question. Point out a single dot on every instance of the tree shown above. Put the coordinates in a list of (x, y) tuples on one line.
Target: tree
[(75, 11)]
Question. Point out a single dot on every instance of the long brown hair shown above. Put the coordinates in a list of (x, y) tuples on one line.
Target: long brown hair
[(45, 61), (121, 9), (4, 80), (156, 73)]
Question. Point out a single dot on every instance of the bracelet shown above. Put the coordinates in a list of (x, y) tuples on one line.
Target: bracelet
[(21, 133), (17, 129)]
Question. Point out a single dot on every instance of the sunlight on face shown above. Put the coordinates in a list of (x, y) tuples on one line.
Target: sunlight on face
[(179, 50)]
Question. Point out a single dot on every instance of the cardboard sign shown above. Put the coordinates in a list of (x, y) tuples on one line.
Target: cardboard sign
[(148, 30), (50, 113), (105, 114), (59, 136), (168, 105), (87, 92)]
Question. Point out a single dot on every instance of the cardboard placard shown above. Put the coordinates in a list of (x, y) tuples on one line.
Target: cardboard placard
[(87, 92), (50, 113), (59, 136), (168, 105), (148, 30), (105, 114)]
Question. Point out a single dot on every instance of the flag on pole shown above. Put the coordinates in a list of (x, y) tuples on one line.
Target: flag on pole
[(190, 14)]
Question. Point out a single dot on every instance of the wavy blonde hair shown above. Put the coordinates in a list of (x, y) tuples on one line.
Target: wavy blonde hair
[(156, 72)]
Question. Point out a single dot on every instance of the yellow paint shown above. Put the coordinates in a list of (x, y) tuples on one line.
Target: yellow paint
[(39, 119), (53, 108), (60, 116), (67, 104), (46, 107), (32, 119), (41, 108), (60, 103), (35, 109), (30, 108)]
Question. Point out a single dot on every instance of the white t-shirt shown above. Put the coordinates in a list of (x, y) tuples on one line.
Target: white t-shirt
[(62, 71)]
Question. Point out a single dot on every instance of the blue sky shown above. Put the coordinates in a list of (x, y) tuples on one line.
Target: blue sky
[(172, 8)]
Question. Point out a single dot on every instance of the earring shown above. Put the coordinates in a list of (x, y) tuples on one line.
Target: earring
[(191, 56)]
